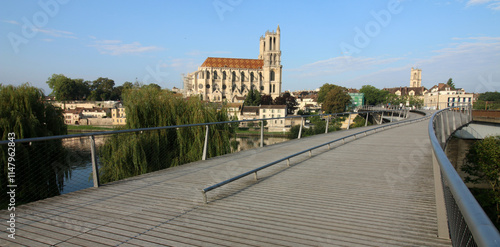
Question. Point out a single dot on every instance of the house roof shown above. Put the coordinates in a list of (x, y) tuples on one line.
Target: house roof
[(273, 106), (237, 63), (406, 90), (254, 109)]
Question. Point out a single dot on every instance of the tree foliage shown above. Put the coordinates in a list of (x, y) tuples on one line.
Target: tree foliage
[(483, 165), (450, 83), (488, 101), (373, 95), (335, 100), (288, 100), (253, 98), (40, 166), (137, 153)]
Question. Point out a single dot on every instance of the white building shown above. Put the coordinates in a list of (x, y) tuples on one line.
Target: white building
[(225, 79), (442, 96)]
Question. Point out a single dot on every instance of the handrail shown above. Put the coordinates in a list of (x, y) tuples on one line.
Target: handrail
[(483, 231), (215, 186), (46, 138)]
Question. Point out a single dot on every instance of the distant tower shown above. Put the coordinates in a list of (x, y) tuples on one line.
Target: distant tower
[(271, 54), (416, 77)]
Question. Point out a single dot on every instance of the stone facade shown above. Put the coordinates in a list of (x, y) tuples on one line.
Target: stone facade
[(227, 79), (416, 78), (442, 96)]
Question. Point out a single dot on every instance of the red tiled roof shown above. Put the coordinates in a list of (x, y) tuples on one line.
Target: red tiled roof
[(237, 63)]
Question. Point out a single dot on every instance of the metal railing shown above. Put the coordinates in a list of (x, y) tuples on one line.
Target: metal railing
[(73, 162), (287, 158), (460, 217)]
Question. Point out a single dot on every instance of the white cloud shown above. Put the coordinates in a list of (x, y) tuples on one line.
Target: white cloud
[(11, 22), (492, 4), (116, 47), (339, 65)]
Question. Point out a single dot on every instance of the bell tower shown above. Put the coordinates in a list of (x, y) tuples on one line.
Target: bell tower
[(272, 70), (416, 77)]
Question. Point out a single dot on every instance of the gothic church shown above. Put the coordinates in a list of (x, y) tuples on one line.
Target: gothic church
[(225, 79)]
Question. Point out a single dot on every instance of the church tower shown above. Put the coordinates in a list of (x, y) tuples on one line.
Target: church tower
[(272, 70), (416, 77)]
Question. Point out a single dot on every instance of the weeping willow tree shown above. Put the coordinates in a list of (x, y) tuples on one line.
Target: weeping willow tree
[(126, 155), (40, 166)]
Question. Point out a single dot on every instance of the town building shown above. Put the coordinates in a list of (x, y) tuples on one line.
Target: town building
[(415, 89), (274, 111), (73, 116), (357, 100), (442, 96), (230, 79), (118, 115)]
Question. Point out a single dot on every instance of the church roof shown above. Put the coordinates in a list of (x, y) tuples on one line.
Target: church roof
[(237, 63)]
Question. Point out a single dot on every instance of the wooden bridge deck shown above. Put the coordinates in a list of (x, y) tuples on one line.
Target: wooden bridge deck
[(374, 191)]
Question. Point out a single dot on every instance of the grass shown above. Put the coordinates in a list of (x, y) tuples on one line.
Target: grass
[(257, 132), (89, 127)]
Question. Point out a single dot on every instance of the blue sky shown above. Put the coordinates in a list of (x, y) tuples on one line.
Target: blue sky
[(348, 43)]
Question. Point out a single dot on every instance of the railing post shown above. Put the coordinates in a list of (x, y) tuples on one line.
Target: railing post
[(300, 129), (261, 133), (381, 117), (443, 127), (327, 122), (454, 121), (366, 120), (392, 114), (204, 157), (95, 169), (349, 122), (442, 219)]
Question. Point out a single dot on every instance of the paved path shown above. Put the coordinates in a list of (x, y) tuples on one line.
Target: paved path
[(374, 191)]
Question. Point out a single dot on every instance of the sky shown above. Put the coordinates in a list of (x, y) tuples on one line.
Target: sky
[(347, 43)]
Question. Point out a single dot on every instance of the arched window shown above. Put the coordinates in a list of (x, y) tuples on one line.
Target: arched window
[(415, 75), (274, 42), (242, 76), (270, 43), (271, 76), (215, 75), (260, 76), (274, 88), (208, 75), (251, 77), (223, 75), (233, 76)]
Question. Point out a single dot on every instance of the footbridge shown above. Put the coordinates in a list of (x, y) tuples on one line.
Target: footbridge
[(378, 185)]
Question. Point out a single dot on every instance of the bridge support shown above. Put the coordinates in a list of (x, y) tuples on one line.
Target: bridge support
[(205, 146), (261, 133), (327, 122), (95, 170), (300, 129), (442, 219), (366, 120)]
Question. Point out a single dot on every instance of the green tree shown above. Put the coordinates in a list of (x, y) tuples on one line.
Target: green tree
[(336, 100), (266, 99), (323, 91), (253, 98), (373, 95), (483, 165), (40, 166), (128, 155), (288, 100), (450, 83), (102, 89)]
